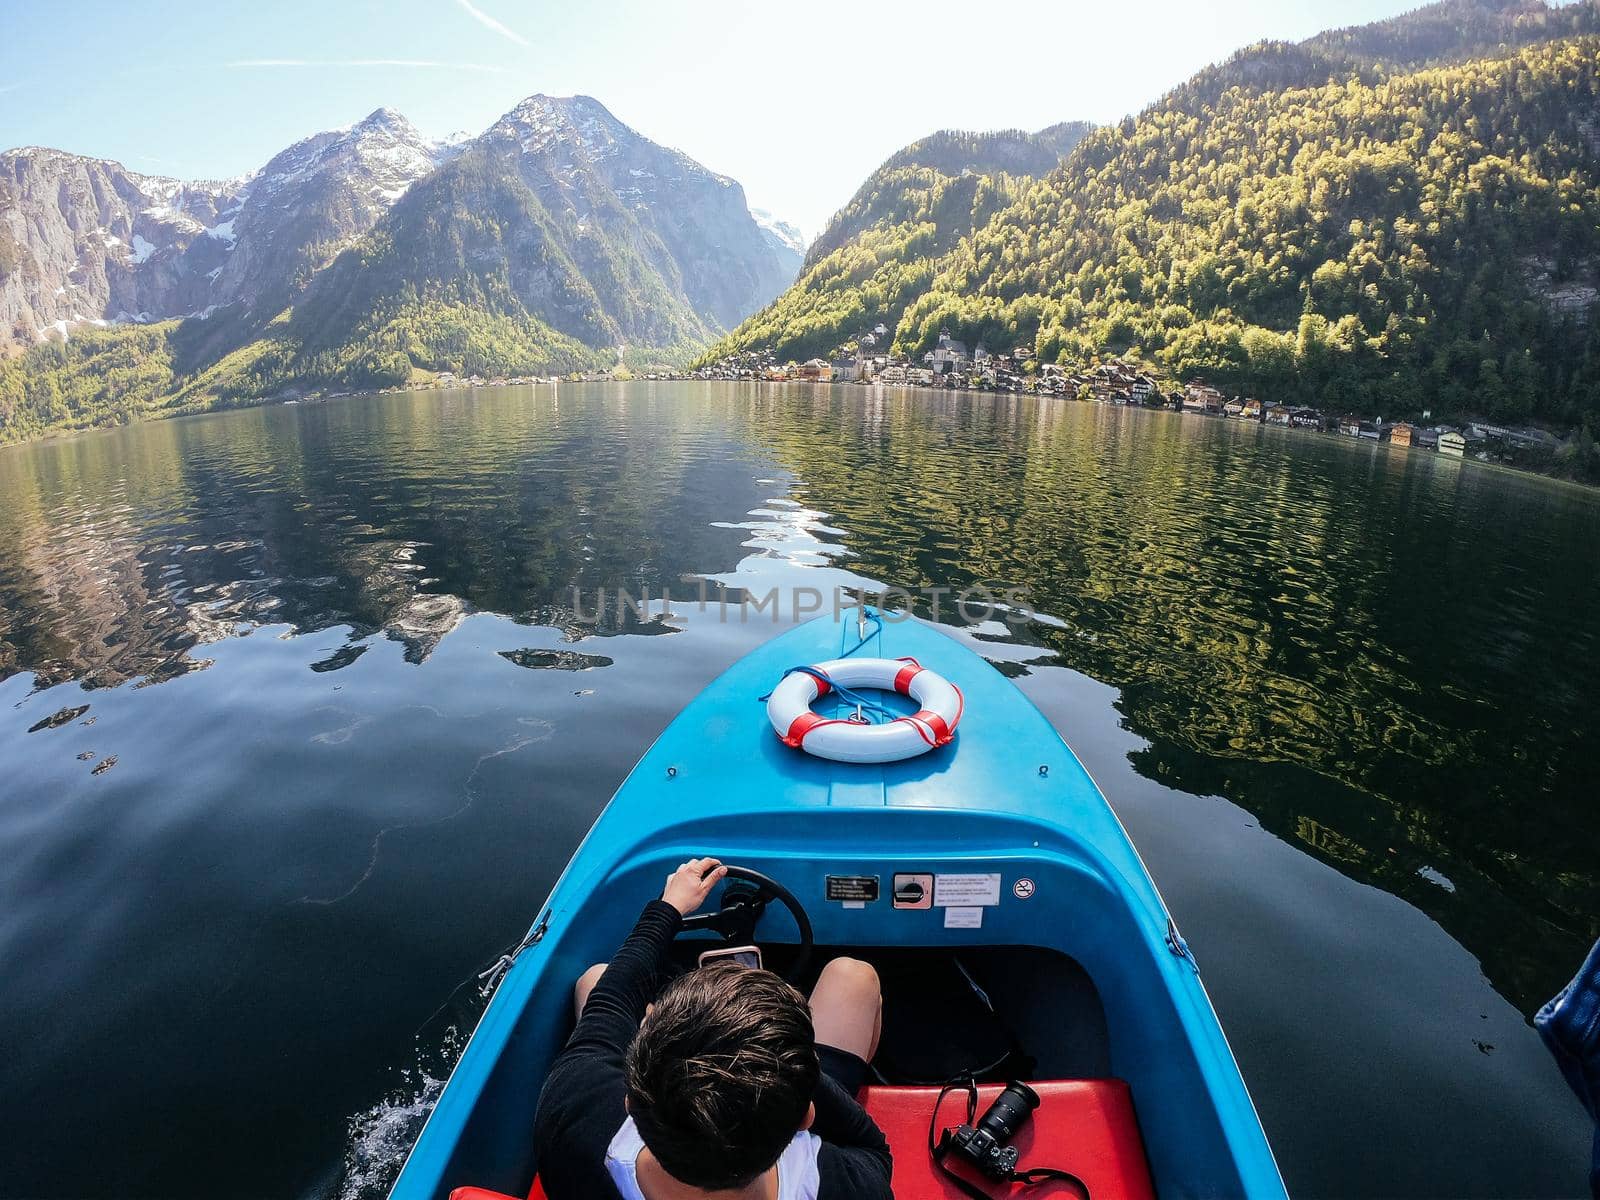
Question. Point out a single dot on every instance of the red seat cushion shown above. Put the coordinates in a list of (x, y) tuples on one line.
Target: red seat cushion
[(1085, 1126), (472, 1193)]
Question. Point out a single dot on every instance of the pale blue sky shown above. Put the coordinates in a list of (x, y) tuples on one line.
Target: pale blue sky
[(799, 102)]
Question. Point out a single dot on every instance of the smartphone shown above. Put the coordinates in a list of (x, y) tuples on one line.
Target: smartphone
[(745, 956)]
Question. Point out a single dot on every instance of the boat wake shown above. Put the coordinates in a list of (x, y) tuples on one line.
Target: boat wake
[(378, 1139), (381, 1137)]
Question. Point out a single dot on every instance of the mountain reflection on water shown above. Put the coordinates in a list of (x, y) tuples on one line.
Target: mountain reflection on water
[(1384, 658), (382, 517)]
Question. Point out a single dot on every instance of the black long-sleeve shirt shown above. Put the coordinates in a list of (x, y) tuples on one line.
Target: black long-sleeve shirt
[(581, 1107)]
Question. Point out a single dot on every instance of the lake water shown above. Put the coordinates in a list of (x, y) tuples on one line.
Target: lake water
[(299, 722)]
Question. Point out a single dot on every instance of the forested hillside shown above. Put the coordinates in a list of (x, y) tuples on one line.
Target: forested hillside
[(1311, 222), (1455, 31), (126, 373), (879, 251), (1429, 239)]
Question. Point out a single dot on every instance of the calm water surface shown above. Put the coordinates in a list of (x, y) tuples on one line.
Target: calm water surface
[(299, 722)]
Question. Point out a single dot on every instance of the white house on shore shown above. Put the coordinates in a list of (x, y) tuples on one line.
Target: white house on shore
[(948, 355)]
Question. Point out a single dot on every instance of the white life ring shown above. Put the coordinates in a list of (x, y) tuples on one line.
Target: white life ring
[(842, 740)]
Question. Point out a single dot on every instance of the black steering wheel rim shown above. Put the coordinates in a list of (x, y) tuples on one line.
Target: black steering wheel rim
[(766, 889)]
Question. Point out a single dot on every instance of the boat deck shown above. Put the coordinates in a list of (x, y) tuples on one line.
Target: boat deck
[(996, 855)]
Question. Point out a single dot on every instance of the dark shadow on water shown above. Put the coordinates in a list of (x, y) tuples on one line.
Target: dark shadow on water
[(339, 659), (555, 660), (59, 718)]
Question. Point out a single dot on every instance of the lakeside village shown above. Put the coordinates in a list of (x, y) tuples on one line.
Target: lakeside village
[(1114, 381)]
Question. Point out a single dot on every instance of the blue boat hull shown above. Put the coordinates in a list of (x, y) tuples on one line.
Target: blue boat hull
[(1006, 797)]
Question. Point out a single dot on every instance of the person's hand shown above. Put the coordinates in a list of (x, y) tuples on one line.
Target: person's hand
[(688, 886)]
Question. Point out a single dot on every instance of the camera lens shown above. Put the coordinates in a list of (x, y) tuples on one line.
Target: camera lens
[(1009, 1112)]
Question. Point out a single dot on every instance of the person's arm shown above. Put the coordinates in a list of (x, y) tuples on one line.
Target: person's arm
[(581, 1105), (854, 1160), (615, 1007)]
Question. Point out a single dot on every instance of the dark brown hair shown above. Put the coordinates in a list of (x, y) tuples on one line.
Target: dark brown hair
[(721, 1073)]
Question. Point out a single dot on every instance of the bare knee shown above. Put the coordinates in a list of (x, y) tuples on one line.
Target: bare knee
[(847, 1007), (852, 978), (585, 985)]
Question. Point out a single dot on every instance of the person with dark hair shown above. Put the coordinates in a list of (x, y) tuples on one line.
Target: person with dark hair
[(727, 1084)]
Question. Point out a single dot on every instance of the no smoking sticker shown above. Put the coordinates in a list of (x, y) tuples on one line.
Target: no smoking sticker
[(1022, 889)]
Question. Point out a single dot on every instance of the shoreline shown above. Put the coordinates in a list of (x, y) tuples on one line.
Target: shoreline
[(875, 387), (457, 385)]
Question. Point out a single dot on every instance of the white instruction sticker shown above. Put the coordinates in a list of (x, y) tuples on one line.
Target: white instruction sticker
[(963, 918), (966, 890)]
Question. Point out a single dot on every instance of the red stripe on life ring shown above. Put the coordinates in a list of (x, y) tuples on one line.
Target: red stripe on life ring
[(902, 680), (933, 723), (799, 727), (823, 688), (805, 723)]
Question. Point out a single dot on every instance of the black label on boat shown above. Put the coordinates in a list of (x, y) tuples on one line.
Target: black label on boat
[(857, 889)]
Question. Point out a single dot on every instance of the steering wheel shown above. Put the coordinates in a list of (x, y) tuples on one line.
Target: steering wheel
[(745, 897)]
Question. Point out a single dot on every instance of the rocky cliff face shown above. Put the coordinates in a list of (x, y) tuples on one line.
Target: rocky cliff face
[(594, 229), (84, 239), (602, 182)]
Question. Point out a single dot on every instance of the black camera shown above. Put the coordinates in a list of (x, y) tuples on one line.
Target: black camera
[(986, 1145)]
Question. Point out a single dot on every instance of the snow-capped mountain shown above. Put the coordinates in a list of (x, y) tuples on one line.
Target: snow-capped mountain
[(561, 214), (85, 239), (784, 237), (314, 197), (785, 233), (556, 236)]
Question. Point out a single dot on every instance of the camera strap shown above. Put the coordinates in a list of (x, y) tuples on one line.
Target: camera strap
[(939, 1144)]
